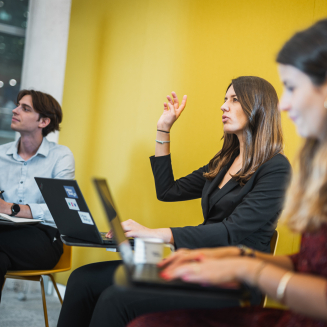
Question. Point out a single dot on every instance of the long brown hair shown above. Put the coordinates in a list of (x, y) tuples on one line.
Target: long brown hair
[(306, 198), (262, 135)]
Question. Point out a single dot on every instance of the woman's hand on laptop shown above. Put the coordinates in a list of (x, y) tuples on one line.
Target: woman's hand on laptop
[(184, 256), (134, 229), (209, 271)]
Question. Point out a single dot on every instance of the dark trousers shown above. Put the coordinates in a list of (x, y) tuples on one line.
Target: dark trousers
[(92, 300), (28, 247)]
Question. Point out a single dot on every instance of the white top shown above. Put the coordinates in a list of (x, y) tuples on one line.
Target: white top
[(17, 175)]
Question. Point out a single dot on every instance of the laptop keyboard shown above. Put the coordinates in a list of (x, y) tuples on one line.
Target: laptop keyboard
[(106, 239), (112, 241), (103, 235)]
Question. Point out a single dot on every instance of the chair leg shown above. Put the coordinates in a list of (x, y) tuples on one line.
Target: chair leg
[(56, 288), (44, 303), (3, 284)]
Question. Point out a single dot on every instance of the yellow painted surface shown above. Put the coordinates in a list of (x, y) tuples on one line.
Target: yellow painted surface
[(288, 243), (125, 56)]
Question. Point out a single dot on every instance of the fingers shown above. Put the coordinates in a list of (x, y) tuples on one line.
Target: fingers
[(129, 225), (191, 272), (170, 259), (125, 226), (171, 104), (175, 102), (184, 101), (130, 234), (134, 229), (175, 99), (109, 234), (170, 100), (185, 259), (179, 257)]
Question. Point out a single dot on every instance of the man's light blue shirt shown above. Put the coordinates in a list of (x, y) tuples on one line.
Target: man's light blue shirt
[(17, 175)]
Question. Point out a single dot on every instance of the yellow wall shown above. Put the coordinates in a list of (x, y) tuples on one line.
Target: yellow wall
[(125, 56)]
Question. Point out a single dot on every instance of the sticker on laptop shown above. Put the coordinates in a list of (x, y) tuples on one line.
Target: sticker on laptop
[(71, 193), (72, 204), (85, 217)]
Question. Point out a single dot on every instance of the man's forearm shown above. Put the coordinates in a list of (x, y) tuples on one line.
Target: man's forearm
[(25, 211)]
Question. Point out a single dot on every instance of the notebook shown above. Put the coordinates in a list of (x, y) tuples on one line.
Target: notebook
[(5, 219)]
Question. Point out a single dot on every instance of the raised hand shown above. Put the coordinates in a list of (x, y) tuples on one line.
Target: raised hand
[(172, 110)]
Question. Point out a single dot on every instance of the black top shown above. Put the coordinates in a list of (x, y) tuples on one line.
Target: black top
[(233, 214)]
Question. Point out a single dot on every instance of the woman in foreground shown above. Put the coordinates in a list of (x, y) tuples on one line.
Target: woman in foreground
[(298, 281)]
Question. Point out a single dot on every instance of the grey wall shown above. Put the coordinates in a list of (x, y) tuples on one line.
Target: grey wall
[(46, 48)]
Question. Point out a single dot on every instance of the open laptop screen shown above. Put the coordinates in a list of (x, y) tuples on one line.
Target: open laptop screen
[(114, 221)]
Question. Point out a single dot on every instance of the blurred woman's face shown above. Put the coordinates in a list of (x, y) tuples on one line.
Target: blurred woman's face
[(303, 101), (234, 118)]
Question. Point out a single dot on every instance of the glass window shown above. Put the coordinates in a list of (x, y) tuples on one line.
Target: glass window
[(13, 19)]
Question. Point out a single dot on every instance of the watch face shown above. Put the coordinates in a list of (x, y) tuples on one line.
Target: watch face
[(15, 208)]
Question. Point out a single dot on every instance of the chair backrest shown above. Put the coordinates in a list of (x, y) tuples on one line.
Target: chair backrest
[(65, 261), (273, 242)]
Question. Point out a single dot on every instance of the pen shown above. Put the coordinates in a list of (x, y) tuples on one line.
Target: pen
[(1, 196)]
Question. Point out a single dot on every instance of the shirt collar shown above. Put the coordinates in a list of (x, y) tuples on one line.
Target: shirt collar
[(43, 150)]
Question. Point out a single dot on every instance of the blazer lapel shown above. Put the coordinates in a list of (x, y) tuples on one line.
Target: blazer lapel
[(210, 187), (218, 194)]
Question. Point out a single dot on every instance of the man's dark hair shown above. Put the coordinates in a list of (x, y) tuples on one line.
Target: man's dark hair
[(46, 106)]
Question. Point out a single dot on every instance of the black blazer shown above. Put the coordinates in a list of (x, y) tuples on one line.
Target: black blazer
[(233, 214)]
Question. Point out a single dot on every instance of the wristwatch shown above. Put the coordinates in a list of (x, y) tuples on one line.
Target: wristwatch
[(15, 208)]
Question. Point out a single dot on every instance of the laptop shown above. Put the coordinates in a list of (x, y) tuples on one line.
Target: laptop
[(147, 275), (71, 213)]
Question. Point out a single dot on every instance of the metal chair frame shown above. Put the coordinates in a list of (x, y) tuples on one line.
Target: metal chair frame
[(64, 264)]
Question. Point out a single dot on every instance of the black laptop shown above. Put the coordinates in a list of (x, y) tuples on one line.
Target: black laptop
[(147, 275), (71, 213)]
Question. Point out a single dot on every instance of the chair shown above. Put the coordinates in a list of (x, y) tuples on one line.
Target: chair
[(273, 247), (273, 242), (64, 264)]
